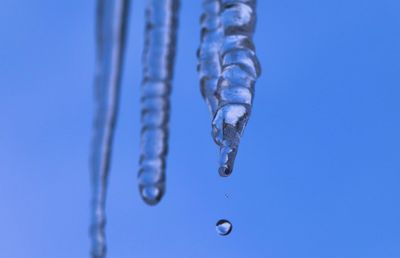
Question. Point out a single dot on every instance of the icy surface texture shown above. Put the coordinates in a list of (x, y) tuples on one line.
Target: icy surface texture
[(158, 63), (209, 66), (235, 89), (110, 33)]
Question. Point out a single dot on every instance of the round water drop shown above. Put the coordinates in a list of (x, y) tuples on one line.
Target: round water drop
[(151, 194), (223, 227)]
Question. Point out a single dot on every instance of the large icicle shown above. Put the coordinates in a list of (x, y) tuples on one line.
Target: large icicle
[(111, 30), (158, 62), (240, 70), (209, 66)]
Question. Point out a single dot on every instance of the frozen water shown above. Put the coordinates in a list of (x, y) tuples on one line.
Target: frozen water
[(209, 66), (235, 89), (111, 30), (228, 68), (158, 63)]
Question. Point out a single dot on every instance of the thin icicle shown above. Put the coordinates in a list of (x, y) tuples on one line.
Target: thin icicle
[(111, 30), (240, 70), (158, 62), (209, 65)]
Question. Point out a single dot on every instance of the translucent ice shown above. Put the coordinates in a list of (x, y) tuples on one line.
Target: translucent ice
[(228, 68), (235, 89), (158, 63), (209, 65), (110, 32)]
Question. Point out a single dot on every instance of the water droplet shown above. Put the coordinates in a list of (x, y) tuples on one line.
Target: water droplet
[(151, 194), (224, 171), (223, 227)]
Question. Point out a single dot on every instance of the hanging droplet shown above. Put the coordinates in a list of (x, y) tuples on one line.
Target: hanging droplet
[(151, 194), (223, 227)]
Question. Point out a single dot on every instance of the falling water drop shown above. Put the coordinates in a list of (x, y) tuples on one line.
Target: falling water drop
[(223, 227)]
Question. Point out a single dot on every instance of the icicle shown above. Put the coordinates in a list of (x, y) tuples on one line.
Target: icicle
[(111, 30), (158, 62), (240, 69), (209, 66)]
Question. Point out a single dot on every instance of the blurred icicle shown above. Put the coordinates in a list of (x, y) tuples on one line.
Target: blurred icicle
[(240, 69), (209, 65), (158, 63), (110, 33)]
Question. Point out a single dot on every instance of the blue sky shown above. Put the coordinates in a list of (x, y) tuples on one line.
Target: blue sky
[(317, 174)]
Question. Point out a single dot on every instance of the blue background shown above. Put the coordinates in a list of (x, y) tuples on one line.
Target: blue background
[(317, 174)]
